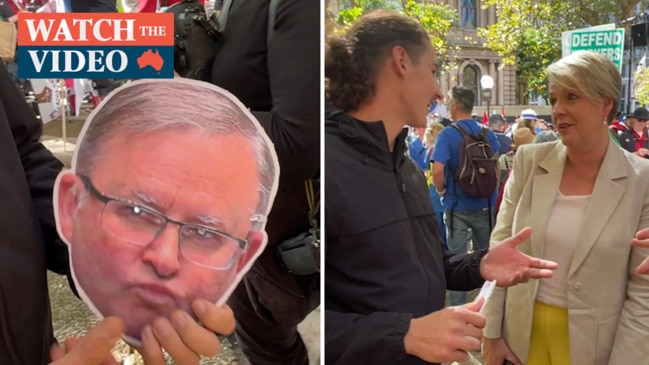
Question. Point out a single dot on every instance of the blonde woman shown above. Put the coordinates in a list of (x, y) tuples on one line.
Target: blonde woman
[(584, 198)]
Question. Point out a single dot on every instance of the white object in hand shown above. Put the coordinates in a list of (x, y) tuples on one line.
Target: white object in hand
[(485, 292)]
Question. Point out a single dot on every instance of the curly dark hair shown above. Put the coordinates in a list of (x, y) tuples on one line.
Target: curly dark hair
[(352, 60)]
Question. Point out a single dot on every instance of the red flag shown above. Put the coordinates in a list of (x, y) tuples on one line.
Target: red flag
[(502, 112), (485, 118)]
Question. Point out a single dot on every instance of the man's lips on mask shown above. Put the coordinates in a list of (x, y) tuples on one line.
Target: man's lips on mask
[(156, 295)]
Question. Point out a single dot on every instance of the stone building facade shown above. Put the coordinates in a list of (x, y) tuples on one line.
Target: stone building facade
[(473, 61)]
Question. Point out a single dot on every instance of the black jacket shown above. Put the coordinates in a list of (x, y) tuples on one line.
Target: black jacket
[(279, 81), (384, 262), (628, 141), (28, 239)]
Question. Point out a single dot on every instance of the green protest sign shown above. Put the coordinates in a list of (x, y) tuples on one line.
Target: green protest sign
[(610, 43)]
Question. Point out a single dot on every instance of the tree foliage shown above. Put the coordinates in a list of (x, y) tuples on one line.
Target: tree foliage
[(528, 32), (641, 81), (438, 19)]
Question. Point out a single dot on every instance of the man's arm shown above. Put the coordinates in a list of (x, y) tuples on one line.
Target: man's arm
[(441, 158), (463, 270), (365, 339), (438, 178), (40, 166), (385, 338), (294, 124), (502, 263)]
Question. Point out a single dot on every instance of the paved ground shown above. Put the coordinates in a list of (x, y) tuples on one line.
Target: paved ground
[(70, 315)]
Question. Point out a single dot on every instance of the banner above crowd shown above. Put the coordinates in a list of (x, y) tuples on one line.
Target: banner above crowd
[(604, 39)]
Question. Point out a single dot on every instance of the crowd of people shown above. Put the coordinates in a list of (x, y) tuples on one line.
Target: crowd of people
[(562, 229)]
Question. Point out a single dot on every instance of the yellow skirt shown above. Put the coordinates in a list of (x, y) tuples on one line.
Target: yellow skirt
[(550, 342)]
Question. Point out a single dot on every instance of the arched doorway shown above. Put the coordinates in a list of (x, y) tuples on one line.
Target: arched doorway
[(470, 77)]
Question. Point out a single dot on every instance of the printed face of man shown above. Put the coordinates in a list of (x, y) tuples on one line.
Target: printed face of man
[(129, 254)]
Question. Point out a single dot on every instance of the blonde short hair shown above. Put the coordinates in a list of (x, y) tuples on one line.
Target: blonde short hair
[(591, 74), (428, 136)]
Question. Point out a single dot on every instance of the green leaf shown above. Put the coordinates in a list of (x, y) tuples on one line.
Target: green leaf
[(438, 19), (528, 32)]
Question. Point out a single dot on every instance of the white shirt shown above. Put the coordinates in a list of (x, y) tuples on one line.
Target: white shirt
[(561, 235)]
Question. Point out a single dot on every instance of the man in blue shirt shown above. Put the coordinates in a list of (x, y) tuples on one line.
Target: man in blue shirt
[(461, 211), (498, 124)]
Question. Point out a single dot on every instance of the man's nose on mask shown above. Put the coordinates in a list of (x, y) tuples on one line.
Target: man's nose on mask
[(163, 253)]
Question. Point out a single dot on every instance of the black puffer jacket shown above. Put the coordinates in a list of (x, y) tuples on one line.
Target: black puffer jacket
[(383, 254), (628, 140), (28, 239), (278, 79)]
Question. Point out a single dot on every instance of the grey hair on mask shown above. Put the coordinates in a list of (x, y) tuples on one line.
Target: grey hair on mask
[(155, 105)]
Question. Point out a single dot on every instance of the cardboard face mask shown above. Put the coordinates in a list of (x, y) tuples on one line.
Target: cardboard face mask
[(166, 200)]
